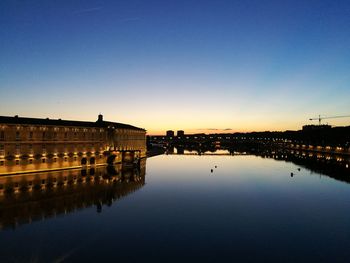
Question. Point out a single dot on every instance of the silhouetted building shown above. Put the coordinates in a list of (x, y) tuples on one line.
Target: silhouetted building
[(170, 133), (180, 133), (29, 143)]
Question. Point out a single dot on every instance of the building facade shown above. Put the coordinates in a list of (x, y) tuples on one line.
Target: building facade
[(180, 133), (30, 144), (170, 133)]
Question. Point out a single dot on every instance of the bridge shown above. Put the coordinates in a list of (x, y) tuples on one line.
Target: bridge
[(124, 157), (208, 153)]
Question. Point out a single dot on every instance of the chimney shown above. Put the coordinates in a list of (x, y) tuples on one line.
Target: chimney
[(100, 118)]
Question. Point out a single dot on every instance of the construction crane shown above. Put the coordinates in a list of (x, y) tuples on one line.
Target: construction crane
[(331, 117)]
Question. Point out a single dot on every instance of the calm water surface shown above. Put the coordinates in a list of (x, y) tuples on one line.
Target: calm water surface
[(249, 209)]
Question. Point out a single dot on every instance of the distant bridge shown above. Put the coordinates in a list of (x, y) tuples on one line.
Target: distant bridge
[(210, 154)]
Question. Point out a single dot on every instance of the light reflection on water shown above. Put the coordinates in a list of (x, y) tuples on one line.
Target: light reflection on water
[(248, 209)]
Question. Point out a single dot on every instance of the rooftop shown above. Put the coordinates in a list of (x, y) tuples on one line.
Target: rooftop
[(58, 122)]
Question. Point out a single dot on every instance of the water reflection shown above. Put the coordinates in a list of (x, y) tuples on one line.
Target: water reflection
[(248, 210), (332, 165), (30, 197)]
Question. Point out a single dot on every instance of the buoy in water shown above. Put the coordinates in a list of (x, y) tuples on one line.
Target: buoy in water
[(216, 166), (291, 174), (211, 170)]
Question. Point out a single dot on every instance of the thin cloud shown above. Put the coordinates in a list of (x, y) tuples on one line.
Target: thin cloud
[(215, 129), (88, 10)]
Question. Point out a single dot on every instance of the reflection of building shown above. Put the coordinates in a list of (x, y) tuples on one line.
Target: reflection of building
[(180, 133), (170, 133), (336, 166), (28, 144), (30, 197)]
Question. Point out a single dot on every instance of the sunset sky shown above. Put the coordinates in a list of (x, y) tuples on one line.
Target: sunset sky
[(200, 66)]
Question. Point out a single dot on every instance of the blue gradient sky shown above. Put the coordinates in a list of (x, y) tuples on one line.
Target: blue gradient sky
[(193, 65)]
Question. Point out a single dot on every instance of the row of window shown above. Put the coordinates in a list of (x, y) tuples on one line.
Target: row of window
[(43, 146), (46, 128), (53, 180), (43, 181), (45, 135), (30, 161), (55, 135)]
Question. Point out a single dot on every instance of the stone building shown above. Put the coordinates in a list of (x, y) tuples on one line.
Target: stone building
[(30, 144)]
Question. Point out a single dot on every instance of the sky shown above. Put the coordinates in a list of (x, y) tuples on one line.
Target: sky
[(198, 66)]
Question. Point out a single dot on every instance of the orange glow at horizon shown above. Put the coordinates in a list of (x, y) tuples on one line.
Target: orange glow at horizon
[(190, 121), (244, 126)]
